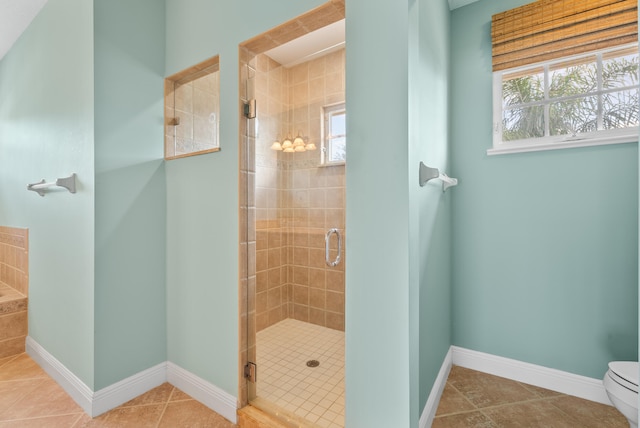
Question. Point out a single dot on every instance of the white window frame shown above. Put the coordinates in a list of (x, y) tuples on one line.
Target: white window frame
[(327, 112), (595, 138)]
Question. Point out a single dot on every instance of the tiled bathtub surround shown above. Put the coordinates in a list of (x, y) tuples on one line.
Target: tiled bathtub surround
[(13, 321), (14, 285), (14, 258)]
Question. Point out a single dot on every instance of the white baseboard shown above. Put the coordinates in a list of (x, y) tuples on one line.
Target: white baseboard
[(96, 403), (208, 394), (78, 390), (532, 374), (127, 389), (543, 377), (429, 411)]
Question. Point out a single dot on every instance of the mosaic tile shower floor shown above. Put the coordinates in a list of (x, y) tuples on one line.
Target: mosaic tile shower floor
[(315, 394)]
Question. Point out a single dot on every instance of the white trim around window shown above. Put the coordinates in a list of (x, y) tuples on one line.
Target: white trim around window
[(553, 142), (331, 136)]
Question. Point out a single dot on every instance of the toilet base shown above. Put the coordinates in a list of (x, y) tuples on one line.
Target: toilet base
[(623, 399)]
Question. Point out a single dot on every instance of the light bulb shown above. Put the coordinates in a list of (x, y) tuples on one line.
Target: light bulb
[(299, 149), (276, 146), (289, 149), (310, 146), (287, 143), (298, 141)]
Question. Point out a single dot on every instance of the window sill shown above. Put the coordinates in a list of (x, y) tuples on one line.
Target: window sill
[(509, 148), (325, 165), (186, 155)]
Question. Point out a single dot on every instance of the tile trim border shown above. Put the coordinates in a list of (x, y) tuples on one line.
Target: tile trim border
[(532, 374), (429, 411), (206, 393), (110, 397)]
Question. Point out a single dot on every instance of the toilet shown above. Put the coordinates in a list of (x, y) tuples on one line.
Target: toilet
[(621, 383)]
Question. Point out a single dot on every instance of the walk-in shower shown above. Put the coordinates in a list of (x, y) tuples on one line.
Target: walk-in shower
[(293, 214)]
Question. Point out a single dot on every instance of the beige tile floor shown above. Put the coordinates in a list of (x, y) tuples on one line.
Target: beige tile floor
[(31, 399), (474, 399)]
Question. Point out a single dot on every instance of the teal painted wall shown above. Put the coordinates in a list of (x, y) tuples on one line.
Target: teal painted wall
[(431, 208), (543, 268), (545, 244), (46, 131), (381, 279), (130, 202), (202, 191)]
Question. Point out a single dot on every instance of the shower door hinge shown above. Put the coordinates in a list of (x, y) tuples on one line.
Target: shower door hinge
[(250, 109), (250, 372)]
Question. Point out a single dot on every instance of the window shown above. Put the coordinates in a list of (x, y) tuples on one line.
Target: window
[(334, 135), (565, 74), (576, 101)]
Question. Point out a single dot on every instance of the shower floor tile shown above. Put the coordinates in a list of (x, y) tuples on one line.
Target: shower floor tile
[(315, 394)]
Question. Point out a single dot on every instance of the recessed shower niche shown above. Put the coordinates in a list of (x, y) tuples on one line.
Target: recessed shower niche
[(191, 110)]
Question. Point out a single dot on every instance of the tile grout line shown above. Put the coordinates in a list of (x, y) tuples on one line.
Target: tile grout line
[(26, 393), (34, 418), (320, 384), (561, 410), (78, 420), (475, 408), (498, 406), (20, 410), (10, 359), (166, 404)]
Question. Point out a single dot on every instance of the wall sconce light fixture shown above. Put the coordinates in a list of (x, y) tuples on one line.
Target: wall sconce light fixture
[(297, 145)]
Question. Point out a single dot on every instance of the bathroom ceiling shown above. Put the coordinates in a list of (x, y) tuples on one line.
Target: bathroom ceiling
[(454, 4), (15, 17), (311, 45), (323, 41)]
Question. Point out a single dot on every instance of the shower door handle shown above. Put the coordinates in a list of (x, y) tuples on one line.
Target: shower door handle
[(327, 240)]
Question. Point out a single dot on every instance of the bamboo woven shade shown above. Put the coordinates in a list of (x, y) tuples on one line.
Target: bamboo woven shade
[(550, 29)]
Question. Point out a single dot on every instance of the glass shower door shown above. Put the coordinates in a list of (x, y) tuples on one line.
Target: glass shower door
[(295, 250)]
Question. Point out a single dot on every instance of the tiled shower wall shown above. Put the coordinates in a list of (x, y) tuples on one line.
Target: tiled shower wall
[(272, 237), (14, 260), (297, 200)]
